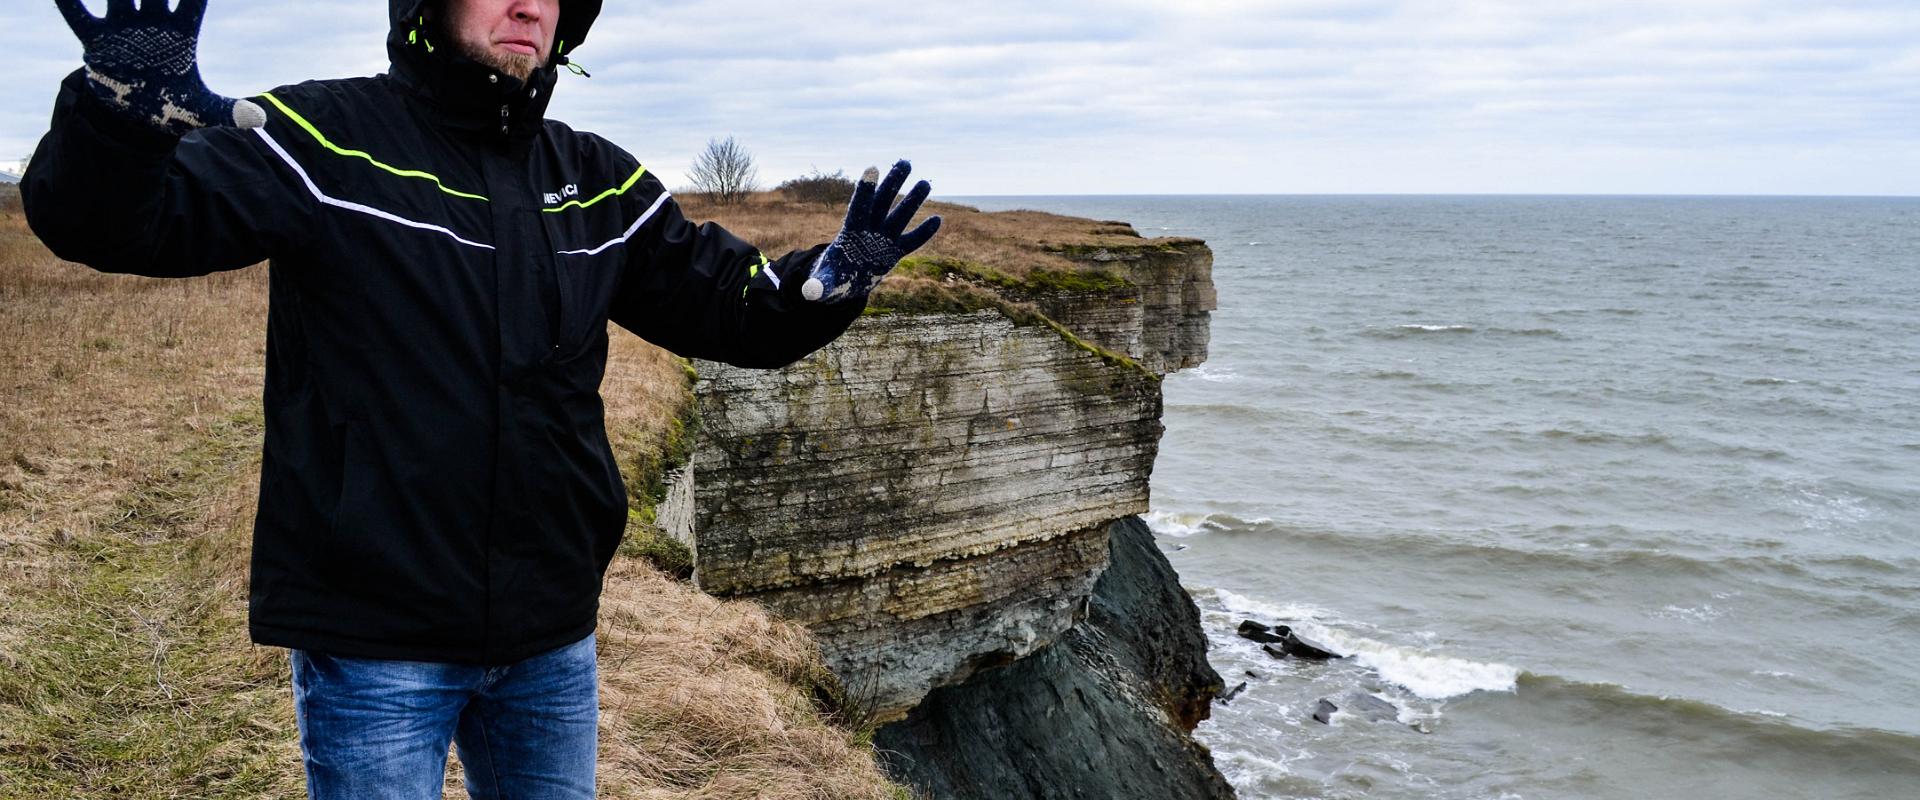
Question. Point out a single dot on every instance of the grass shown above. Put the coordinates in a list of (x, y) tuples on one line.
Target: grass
[(129, 442), (1028, 250), (1001, 260)]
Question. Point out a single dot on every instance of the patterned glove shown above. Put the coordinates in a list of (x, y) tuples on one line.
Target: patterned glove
[(144, 62), (872, 241)]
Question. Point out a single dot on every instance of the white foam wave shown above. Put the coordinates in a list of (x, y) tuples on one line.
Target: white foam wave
[(1213, 374), (1431, 676), (1263, 611), (1181, 525), (1434, 677), (1438, 328), (1822, 511), (1703, 613)]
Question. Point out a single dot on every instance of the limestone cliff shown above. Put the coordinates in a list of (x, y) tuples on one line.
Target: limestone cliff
[(1158, 314), (933, 493), (928, 493)]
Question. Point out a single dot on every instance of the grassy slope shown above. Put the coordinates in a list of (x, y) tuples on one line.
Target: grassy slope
[(129, 457)]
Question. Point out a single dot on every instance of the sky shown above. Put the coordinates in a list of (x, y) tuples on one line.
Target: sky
[(1163, 97)]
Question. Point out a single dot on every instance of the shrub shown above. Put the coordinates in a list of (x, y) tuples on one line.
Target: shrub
[(819, 187)]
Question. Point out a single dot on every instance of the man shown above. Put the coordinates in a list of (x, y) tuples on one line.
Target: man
[(438, 501)]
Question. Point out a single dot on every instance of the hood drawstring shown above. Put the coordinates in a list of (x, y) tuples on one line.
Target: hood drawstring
[(560, 52)]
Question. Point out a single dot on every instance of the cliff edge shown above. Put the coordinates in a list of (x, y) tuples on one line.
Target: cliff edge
[(947, 497)]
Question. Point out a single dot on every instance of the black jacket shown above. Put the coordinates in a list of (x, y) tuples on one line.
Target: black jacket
[(436, 480)]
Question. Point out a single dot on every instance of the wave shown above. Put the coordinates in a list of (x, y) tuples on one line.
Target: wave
[(1404, 331), (1550, 333), (1181, 525), (1412, 330), (1225, 412), (1811, 577), (1758, 729), (1213, 374), (1437, 677), (1604, 437), (1653, 439), (1582, 312)]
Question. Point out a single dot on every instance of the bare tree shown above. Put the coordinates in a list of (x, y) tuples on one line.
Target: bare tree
[(725, 172)]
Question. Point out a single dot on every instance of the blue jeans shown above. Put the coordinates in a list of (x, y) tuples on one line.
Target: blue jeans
[(379, 730)]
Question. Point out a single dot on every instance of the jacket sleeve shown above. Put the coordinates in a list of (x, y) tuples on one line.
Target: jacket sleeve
[(701, 292), (119, 197)]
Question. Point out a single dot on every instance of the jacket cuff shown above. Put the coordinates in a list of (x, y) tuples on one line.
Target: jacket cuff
[(112, 124)]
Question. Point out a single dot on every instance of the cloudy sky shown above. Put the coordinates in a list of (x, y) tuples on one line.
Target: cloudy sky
[(1203, 96)]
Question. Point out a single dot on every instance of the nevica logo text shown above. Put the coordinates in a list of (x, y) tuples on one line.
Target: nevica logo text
[(572, 190)]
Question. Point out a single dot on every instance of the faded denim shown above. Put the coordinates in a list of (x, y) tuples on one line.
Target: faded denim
[(374, 729)]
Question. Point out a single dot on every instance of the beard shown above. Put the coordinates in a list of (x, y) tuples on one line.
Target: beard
[(513, 65)]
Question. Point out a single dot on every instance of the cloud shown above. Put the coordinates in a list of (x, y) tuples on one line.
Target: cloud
[(1222, 95)]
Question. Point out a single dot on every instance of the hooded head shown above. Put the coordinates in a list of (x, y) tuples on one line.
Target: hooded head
[(423, 55), (416, 23)]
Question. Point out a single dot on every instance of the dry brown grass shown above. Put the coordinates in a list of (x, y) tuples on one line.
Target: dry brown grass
[(713, 699), (129, 443), (1012, 242)]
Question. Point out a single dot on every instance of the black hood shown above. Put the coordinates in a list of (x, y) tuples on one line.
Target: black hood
[(465, 93), (576, 18)]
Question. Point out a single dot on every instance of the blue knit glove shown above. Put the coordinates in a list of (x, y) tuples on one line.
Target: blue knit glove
[(144, 62), (872, 241)]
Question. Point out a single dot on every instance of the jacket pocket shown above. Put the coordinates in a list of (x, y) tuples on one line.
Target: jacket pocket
[(586, 286), (358, 504)]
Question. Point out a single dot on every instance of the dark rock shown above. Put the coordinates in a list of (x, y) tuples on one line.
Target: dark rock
[(1276, 652), (1370, 708), (1261, 633), (1254, 675), (1308, 649), (1105, 712), (1359, 704), (1232, 693)]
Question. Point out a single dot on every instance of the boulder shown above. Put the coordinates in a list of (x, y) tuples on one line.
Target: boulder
[(1233, 693), (1358, 704), (1261, 633), (1369, 707), (1308, 649)]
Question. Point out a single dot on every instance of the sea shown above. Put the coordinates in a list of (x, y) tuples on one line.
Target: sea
[(1608, 497)]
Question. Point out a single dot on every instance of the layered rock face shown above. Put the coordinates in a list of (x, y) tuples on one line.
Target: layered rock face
[(1160, 319), (928, 493), (948, 499)]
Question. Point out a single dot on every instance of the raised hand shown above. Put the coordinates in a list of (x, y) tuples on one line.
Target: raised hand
[(873, 240), (145, 62)]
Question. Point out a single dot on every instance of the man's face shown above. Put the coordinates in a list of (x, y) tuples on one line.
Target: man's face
[(512, 36)]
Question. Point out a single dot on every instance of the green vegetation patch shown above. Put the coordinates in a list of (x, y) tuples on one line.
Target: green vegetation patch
[(1038, 281), (942, 286), (1081, 251), (134, 677), (646, 476)]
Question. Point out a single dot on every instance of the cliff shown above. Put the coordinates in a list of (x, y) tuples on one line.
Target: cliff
[(928, 494), (935, 496)]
